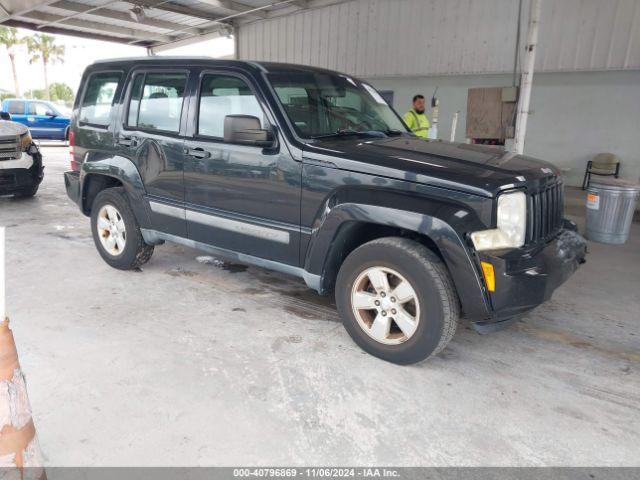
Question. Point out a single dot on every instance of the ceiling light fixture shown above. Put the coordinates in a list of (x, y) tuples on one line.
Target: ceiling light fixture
[(137, 13)]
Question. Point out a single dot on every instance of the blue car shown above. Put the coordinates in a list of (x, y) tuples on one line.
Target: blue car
[(45, 120)]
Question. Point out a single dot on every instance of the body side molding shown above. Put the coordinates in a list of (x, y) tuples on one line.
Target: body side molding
[(154, 237), (223, 222)]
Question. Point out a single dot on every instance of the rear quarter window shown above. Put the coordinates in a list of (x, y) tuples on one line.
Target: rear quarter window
[(98, 98)]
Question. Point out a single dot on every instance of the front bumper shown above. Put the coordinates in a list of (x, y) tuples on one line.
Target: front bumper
[(526, 278), (26, 172)]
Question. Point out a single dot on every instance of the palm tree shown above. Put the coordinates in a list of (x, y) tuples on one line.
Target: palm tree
[(43, 48), (9, 38)]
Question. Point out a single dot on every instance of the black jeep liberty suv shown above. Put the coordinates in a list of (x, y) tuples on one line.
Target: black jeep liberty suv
[(310, 172)]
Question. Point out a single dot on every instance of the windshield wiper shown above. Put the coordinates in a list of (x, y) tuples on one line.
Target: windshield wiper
[(347, 131), (340, 133), (392, 133)]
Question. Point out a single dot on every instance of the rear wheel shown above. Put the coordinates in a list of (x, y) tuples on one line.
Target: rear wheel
[(116, 232), (397, 300)]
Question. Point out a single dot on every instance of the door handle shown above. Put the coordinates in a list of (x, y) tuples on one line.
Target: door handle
[(197, 153), (128, 141)]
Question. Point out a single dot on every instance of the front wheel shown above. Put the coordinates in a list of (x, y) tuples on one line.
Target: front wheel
[(116, 232), (397, 300)]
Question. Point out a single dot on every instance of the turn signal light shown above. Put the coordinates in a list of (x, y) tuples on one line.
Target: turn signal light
[(489, 276)]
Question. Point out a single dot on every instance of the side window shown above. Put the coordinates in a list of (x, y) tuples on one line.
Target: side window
[(98, 98), (15, 108), (36, 108), (222, 95), (134, 103), (156, 101)]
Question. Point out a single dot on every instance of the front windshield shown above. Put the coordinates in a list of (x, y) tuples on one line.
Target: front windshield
[(322, 104)]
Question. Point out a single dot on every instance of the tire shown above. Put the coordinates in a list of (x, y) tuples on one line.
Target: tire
[(429, 320), (28, 192), (133, 251)]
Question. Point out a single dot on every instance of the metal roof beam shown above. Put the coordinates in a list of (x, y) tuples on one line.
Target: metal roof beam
[(99, 27), (121, 16), (175, 8), (236, 7), (224, 22), (60, 30), (187, 41), (15, 8)]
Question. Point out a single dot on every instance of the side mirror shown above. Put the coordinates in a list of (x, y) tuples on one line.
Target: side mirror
[(50, 113), (247, 130), (5, 116)]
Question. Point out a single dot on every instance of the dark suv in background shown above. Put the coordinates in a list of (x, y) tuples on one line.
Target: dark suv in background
[(311, 173)]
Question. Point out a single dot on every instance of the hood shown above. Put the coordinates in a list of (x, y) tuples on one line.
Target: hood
[(480, 169), (11, 129)]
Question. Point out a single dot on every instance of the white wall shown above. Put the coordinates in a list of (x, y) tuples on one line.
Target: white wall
[(447, 37), (574, 115)]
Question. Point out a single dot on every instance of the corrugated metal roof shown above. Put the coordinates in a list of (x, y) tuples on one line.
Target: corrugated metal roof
[(161, 21), (376, 38)]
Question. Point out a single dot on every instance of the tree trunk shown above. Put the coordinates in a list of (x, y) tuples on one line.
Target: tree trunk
[(46, 81), (12, 58)]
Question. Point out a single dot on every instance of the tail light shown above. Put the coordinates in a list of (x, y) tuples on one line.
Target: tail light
[(72, 142)]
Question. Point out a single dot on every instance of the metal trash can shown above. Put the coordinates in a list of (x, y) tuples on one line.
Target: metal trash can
[(610, 208)]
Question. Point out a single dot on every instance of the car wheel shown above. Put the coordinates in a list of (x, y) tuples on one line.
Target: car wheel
[(116, 232), (27, 192), (397, 300)]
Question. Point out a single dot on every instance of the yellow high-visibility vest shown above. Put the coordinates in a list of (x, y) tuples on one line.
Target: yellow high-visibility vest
[(417, 122)]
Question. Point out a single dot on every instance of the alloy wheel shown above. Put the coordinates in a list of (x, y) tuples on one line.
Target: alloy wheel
[(386, 305), (111, 230)]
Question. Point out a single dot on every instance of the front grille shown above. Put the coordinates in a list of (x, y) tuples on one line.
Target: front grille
[(545, 213), (10, 148)]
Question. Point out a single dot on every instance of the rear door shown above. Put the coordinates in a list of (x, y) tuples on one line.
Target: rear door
[(41, 124), (152, 135)]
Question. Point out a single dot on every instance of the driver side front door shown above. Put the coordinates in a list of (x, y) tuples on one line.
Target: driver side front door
[(239, 197)]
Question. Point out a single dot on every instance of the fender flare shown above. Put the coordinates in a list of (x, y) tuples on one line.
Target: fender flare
[(125, 171), (457, 257)]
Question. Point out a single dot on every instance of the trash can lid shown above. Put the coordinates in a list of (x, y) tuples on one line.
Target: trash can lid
[(615, 184)]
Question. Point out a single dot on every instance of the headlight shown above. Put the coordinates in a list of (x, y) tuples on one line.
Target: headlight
[(512, 224), (26, 141)]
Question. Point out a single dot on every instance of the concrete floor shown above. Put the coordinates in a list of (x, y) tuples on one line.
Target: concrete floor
[(201, 362)]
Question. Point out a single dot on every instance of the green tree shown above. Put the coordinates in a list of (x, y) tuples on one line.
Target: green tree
[(9, 38), (5, 95), (38, 94), (60, 91), (43, 48)]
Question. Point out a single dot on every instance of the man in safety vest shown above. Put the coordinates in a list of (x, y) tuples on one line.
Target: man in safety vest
[(416, 119)]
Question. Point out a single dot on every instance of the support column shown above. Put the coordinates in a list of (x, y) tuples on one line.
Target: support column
[(526, 82)]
